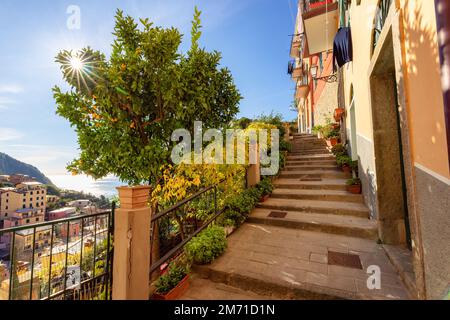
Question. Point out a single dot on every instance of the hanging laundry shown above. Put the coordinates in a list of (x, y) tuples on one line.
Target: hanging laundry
[(342, 48)]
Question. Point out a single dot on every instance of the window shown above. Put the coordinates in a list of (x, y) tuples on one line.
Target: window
[(31, 199), (7, 200), (6, 208), (37, 192), (23, 207), (31, 193), (28, 221), (24, 200), (37, 219)]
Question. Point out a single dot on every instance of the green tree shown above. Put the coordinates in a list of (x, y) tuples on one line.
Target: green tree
[(125, 108)]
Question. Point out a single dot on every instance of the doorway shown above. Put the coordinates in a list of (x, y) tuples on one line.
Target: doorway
[(390, 154)]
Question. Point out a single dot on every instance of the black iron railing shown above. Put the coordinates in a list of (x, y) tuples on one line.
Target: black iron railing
[(67, 259), (174, 227)]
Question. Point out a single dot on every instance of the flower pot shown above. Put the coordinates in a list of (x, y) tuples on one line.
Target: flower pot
[(176, 292), (335, 126), (355, 189), (264, 198), (347, 169), (338, 114), (332, 142)]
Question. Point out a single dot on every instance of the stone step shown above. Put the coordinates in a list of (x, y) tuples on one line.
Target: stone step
[(312, 174), (310, 157), (328, 223), (324, 195), (329, 207), (291, 263), (308, 152), (324, 184), (310, 162), (291, 167)]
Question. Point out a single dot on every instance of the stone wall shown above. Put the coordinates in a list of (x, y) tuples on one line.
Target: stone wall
[(433, 207), (324, 107)]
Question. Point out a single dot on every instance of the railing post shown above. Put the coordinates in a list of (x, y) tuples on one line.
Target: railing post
[(131, 266), (254, 170)]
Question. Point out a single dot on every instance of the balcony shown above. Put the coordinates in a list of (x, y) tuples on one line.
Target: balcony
[(295, 46), (303, 88), (321, 19), (297, 73)]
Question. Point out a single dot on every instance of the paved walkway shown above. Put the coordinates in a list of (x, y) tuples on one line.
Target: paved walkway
[(311, 240)]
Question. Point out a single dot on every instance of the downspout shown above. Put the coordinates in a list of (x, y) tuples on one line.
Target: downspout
[(443, 28)]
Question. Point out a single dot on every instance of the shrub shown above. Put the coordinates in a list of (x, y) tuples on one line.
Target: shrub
[(343, 160), (354, 182), (172, 278), (265, 186), (239, 207), (285, 146), (207, 246), (339, 150), (317, 129)]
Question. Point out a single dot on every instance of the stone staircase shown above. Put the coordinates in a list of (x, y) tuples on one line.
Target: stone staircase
[(311, 190), (286, 248)]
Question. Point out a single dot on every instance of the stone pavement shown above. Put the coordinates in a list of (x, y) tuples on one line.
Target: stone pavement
[(311, 240)]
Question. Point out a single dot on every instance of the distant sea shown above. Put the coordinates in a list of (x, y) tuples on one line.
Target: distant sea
[(106, 187)]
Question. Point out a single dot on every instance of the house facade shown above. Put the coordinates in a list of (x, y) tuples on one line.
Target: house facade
[(396, 124)]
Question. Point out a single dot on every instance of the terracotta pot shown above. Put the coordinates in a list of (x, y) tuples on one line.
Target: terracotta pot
[(332, 142), (347, 168), (336, 126), (355, 189), (264, 198), (176, 292), (338, 114)]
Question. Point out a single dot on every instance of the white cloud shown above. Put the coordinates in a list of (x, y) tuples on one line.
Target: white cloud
[(8, 134), (10, 88)]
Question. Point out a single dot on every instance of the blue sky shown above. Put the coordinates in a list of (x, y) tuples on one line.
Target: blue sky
[(253, 36)]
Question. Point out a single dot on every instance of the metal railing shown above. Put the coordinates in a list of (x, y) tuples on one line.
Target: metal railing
[(174, 227), (309, 5), (66, 259)]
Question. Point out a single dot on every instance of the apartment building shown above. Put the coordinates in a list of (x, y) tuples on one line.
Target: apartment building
[(394, 90), (316, 84), (24, 204)]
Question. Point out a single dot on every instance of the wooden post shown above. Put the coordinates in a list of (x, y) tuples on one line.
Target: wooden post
[(131, 268)]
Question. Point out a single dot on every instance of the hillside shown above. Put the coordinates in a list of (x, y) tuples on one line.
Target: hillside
[(9, 165)]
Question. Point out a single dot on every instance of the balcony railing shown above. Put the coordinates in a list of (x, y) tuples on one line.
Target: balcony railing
[(309, 5), (176, 226), (74, 262)]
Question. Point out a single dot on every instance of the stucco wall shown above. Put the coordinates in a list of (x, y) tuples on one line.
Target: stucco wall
[(423, 86), (434, 210)]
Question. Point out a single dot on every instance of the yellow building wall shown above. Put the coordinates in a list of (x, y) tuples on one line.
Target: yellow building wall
[(423, 86)]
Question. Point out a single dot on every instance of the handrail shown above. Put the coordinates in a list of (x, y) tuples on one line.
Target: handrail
[(53, 222), (184, 201)]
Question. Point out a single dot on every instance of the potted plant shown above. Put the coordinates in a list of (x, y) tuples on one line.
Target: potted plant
[(265, 187), (332, 138), (339, 150), (207, 246), (174, 283), (344, 161), (354, 186), (338, 114), (318, 131)]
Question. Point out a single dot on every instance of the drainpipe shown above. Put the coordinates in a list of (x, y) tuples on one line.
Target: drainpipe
[(443, 28)]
